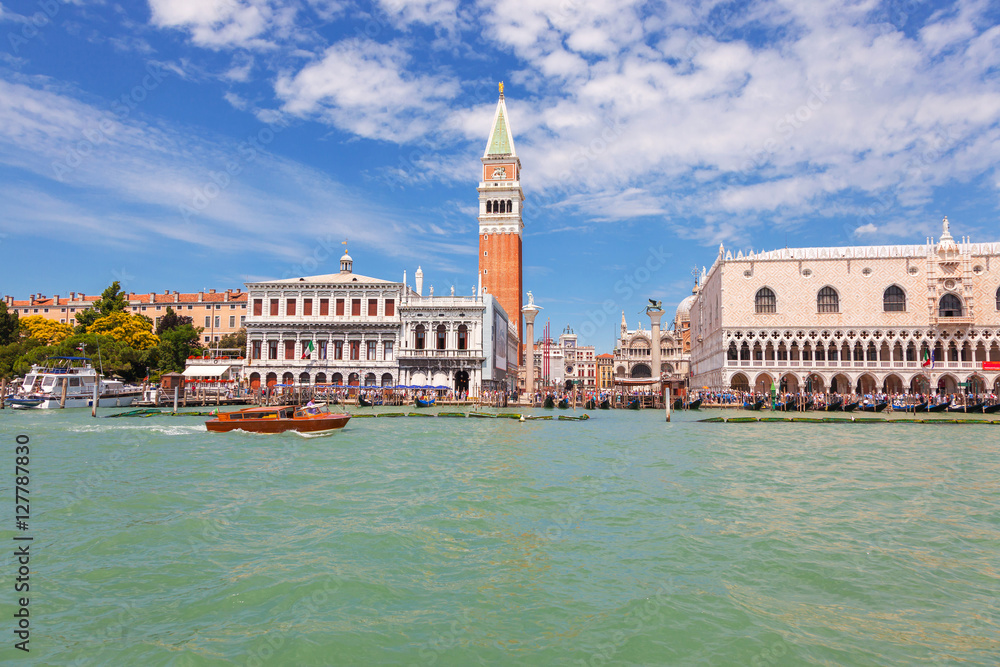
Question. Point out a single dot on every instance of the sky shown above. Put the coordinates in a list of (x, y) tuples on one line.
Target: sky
[(197, 144)]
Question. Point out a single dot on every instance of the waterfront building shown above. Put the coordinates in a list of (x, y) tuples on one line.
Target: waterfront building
[(340, 328), (350, 329), (605, 364), (218, 313), (566, 361), (891, 318), (500, 223)]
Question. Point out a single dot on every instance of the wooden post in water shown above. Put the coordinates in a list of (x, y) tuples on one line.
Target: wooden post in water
[(176, 392), (667, 402), (62, 397), (3, 392), (97, 396)]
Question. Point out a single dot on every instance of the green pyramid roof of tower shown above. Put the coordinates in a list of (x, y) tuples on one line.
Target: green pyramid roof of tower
[(499, 142)]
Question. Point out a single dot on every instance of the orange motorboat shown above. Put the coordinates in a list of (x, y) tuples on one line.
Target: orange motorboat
[(307, 419)]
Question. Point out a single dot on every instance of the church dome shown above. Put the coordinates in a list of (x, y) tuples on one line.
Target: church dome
[(684, 309)]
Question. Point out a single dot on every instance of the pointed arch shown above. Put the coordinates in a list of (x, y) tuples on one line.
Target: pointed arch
[(765, 301), (489, 205), (950, 305)]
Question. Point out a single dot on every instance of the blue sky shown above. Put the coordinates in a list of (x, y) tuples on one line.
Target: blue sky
[(189, 144)]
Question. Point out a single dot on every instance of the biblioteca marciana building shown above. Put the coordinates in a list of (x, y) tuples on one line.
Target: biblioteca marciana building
[(914, 318)]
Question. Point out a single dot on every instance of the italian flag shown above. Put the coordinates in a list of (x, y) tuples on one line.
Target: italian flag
[(928, 359), (307, 349)]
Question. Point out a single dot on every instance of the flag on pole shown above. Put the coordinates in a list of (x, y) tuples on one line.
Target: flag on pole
[(307, 349), (928, 360)]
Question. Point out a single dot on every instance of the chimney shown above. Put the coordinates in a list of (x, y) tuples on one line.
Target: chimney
[(201, 297), (55, 300), (211, 291), (152, 297), (226, 298), (166, 291), (177, 297), (72, 296)]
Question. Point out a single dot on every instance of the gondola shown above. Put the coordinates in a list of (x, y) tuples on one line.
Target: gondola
[(976, 408), (605, 404), (563, 403), (635, 404), (990, 409), (851, 407), (421, 403), (363, 402), (756, 405), (940, 407), (549, 403), (920, 407), (877, 407), (694, 405), (832, 407), (591, 404), (678, 404)]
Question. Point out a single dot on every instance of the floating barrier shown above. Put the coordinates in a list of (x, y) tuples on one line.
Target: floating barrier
[(837, 420)]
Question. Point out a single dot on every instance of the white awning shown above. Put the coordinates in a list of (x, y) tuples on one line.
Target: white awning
[(205, 371)]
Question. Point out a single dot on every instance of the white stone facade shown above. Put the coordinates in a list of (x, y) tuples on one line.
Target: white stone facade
[(353, 322), (633, 355), (850, 318), (442, 342)]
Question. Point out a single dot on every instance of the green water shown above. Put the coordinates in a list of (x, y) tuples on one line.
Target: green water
[(618, 541)]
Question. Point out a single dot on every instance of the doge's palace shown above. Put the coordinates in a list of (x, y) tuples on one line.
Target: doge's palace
[(863, 318)]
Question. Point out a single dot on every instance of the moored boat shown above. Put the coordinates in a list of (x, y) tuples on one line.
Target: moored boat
[(635, 404), (424, 402), (874, 407), (973, 409), (940, 407), (563, 403), (605, 404), (850, 407), (834, 405), (756, 405), (45, 384), (591, 404), (549, 402), (990, 409), (694, 405), (364, 402), (310, 419)]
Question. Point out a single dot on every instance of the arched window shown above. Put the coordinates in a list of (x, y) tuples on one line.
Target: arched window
[(489, 206), (463, 337), (441, 336), (998, 298), (828, 301), (765, 301), (418, 338), (510, 206), (893, 299), (950, 306)]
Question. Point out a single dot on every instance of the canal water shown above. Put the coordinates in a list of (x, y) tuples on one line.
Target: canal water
[(622, 540)]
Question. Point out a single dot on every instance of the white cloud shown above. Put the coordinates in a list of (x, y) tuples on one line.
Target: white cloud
[(224, 23), (365, 88)]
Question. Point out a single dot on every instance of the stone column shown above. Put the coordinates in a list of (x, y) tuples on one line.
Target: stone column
[(654, 318), (529, 312)]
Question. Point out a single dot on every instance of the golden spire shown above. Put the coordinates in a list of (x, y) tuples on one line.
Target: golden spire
[(501, 89)]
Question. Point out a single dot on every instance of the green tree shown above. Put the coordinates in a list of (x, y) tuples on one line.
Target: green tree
[(9, 326), (235, 341), (112, 300), (16, 358), (109, 355), (171, 320), (133, 330), (176, 345)]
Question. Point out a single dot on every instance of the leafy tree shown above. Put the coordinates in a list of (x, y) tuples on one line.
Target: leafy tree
[(171, 320), (9, 326), (235, 341), (112, 300), (48, 331), (132, 330), (108, 354), (176, 345), (16, 358)]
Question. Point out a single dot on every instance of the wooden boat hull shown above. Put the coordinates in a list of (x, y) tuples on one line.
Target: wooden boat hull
[(940, 407), (605, 405), (331, 423), (878, 407), (563, 404), (591, 404), (832, 407), (850, 407), (753, 406), (970, 409), (634, 404), (423, 404), (363, 403), (549, 403), (694, 405), (990, 409)]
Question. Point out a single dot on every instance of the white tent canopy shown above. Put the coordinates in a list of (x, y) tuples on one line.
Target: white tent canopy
[(205, 371)]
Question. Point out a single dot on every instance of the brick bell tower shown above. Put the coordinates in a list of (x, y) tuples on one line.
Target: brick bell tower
[(500, 224)]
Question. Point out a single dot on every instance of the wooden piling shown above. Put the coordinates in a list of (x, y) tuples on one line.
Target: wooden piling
[(65, 388)]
